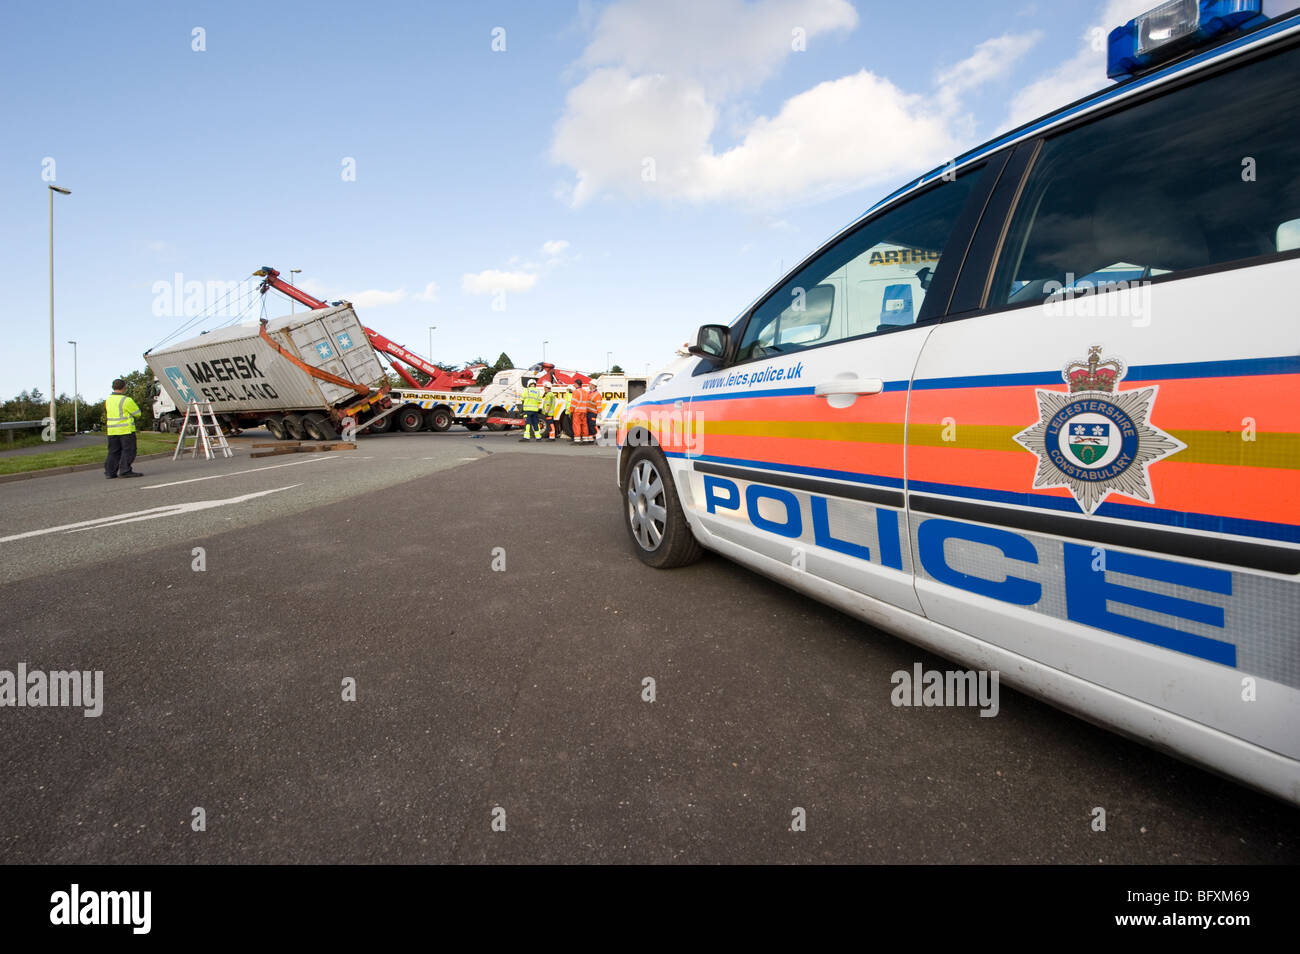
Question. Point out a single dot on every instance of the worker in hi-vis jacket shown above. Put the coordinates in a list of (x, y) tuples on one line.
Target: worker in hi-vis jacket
[(120, 412), (580, 406), (551, 413), (532, 404)]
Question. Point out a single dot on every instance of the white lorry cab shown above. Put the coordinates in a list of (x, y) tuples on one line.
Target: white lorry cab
[(1038, 410), (616, 391)]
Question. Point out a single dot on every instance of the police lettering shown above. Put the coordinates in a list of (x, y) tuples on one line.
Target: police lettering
[(1092, 597)]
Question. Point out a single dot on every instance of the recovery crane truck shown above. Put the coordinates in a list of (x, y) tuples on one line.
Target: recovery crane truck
[(448, 397)]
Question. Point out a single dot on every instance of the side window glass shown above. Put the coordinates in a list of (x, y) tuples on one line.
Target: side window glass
[(1207, 174), (871, 279)]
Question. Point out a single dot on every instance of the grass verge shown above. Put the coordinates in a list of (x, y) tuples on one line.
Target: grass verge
[(147, 442)]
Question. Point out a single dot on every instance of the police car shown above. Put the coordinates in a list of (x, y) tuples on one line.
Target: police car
[(1039, 410)]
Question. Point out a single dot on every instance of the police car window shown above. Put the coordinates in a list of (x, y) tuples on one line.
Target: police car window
[(872, 279), (1207, 174)]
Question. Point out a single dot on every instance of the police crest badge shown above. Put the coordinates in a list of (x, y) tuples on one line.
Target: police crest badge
[(1096, 440)]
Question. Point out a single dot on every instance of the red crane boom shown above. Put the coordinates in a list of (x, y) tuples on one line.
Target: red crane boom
[(439, 380)]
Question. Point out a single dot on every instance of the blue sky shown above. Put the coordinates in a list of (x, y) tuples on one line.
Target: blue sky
[(482, 171)]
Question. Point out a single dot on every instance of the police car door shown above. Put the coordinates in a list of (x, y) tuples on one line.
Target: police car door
[(799, 438), (1104, 479)]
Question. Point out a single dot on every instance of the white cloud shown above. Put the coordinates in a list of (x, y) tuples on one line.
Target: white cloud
[(808, 148), (992, 59), (725, 45), (376, 298), (1082, 73), (664, 77), (492, 280), (553, 248), (370, 298)]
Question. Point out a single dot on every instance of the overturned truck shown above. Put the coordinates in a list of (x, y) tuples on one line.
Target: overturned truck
[(303, 377)]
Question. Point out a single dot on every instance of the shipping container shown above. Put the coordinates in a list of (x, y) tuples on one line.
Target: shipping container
[(240, 373)]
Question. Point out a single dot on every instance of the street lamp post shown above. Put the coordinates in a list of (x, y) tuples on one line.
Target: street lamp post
[(607, 357), (53, 420), (432, 329), (544, 344), (75, 389), (292, 302)]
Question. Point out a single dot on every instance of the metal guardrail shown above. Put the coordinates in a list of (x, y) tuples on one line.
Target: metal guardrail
[(10, 426)]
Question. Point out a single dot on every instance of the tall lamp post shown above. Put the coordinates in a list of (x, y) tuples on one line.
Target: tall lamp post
[(607, 357), (544, 344), (432, 329), (75, 389), (293, 272), (53, 420)]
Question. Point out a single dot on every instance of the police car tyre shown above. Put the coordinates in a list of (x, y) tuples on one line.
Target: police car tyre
[(496, 412), (294, 427), (439, 419), (474, 426), (410, 419), (655, 522)]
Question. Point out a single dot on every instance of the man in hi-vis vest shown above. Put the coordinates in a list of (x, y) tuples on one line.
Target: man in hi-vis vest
[(120, 412)]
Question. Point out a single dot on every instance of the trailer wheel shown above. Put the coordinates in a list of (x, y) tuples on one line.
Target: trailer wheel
[(474, 426), (439, 419), (293, 426), (276, 427), (319, 428), (410, 418), (382, 425), (498, 412)]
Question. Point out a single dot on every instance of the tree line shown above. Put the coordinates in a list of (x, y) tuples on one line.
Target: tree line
[(34, 405)]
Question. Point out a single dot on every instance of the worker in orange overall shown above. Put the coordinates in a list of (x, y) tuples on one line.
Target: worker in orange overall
[(579, 406), (595, 405)]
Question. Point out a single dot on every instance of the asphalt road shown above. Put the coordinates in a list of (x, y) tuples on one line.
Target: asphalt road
[(518, 689)]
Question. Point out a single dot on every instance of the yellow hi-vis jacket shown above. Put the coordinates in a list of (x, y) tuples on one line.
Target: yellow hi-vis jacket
[(532, 399), (551, 404), (120, 413)]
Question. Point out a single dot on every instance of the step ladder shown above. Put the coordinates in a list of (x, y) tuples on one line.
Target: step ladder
[(201, 424)]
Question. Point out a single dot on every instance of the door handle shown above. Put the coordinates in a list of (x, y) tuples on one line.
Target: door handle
[(849, 385)]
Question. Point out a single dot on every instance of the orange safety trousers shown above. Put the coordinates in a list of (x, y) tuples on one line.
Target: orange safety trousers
[(580, 429)]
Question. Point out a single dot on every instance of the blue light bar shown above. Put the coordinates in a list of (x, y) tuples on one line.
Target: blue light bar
[(1173, 28)]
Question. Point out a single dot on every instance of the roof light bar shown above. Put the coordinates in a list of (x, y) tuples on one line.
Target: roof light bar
[(1172, 28)]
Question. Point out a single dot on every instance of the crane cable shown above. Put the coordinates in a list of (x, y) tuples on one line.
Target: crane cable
[(204, 315)]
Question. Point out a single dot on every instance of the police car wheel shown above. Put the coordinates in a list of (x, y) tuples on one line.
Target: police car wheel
[(655, 521), (474, 426)]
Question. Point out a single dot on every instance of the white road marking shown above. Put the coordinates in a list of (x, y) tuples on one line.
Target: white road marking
[(151, 514), (236, 473)]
